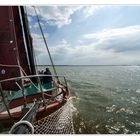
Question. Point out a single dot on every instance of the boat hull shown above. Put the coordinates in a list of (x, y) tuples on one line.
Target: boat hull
[(43, 110)]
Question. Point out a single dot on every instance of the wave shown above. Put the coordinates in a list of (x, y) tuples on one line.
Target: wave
[(105, 110)]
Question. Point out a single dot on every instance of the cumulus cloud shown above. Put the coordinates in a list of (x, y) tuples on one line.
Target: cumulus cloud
[(112, 46), (91, 10), (55, 15)]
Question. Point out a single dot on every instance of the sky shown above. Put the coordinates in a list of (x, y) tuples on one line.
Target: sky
[(87, 34)]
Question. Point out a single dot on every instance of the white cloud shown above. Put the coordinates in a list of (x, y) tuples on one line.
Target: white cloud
[(40, 48), (91, 10), (112, 46), (109, 46), (38, 43), (30, 10), (109, 33), (61, 15), (119, 39), (55, 15)]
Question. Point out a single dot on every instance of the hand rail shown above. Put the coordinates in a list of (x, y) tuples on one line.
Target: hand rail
[(30, 76)]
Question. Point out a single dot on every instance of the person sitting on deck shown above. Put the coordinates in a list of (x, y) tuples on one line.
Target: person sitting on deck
[(47, 79)]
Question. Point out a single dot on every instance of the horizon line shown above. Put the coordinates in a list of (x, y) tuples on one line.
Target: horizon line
[(90, 65)]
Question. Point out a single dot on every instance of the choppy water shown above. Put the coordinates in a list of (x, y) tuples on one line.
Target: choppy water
[(106, 99)]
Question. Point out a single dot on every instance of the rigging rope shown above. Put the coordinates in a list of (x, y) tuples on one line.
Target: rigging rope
[(59, 122), (46, 43), (34, 58)]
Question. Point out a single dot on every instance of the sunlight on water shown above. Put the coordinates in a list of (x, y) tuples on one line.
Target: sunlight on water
[(106, 99)]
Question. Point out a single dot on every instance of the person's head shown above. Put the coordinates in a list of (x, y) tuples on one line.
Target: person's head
[(47, 69)]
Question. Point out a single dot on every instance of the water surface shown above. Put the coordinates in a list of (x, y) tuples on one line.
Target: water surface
[(106, 99)]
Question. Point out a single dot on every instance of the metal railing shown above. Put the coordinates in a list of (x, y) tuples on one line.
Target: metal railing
[(31, 76), (40, 86)]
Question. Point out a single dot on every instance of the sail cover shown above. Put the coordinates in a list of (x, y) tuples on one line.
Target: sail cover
[(12, 48)]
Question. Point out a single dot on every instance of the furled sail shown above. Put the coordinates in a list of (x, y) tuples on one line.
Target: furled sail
[(13, 52)]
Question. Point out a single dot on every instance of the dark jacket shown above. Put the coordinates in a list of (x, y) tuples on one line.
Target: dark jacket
[(47, 79)]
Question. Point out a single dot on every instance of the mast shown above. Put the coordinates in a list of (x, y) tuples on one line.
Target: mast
[(28, 40)]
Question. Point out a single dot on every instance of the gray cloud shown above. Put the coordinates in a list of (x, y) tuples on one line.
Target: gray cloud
[(117, 40), (112, 46)]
